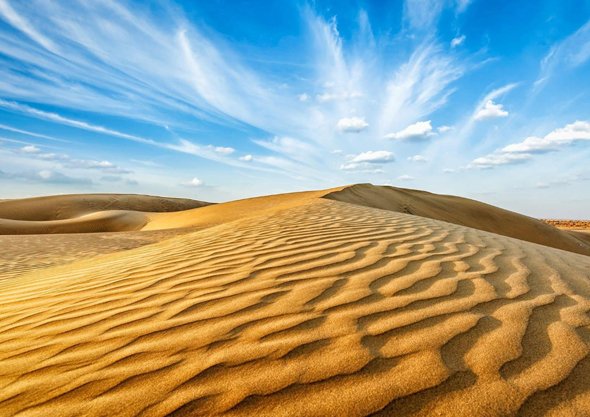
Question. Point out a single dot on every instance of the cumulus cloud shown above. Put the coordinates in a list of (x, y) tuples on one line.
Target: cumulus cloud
[(496, 159), (246, 158), (374, 157), (457, 41), (195, 182), (29, 149), (554, 141), (417, 158), (443, 129), (417, 132), (352, 124), (490, 111), (405, 178)]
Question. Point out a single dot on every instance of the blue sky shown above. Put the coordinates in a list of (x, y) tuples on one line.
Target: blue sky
[(220, 100)]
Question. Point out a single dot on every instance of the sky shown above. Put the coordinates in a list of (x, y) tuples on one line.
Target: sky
[(221, 100)]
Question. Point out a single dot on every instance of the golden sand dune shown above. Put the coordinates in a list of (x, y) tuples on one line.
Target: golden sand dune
[(84, 213), (314, 307), (462, 211)]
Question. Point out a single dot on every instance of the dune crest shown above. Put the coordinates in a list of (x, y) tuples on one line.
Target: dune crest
[(304, 306), (461, 211)]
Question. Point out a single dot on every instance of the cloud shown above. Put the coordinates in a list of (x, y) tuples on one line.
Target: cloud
[(246, 158), (30, 149), (336, 151), (22, 24), (457, 41), (374, 157), (554, 141), (443, 129), (47, 177), (146, 163), (221, 150), (490, 111), (405, 178), (568, 53), (417, 158), (322, 98), (352, 124), (303, 97), (417, 132), (496, 159), (518, 153), (37, 135), (422, 14), (118, 178), (195, 182), (67, 162)]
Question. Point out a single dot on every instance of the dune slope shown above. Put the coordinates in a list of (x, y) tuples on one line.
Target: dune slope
[(318, 308), (85, 213), (461, 211)]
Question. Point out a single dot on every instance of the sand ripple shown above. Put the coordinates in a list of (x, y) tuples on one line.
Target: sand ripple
[(326, 308)]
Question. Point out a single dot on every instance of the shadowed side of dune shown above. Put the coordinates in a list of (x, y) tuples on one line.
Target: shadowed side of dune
[(461, 211)]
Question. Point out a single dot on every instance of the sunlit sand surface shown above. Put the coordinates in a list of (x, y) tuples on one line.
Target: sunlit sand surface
[(371, 300)]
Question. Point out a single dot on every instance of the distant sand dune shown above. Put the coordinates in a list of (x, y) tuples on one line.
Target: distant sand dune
[(84, 213), (302, 306)]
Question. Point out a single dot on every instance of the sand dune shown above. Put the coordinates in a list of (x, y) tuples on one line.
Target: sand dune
[(461, 211), (301, 305), (85, 213)]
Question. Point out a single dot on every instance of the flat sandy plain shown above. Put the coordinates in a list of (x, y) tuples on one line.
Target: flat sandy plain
[(352, 301)]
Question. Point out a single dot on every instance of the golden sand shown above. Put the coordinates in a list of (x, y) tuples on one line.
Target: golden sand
[(297, 305)]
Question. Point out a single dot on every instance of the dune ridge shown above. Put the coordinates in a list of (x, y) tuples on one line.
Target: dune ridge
[(85, 213), (462, 211), (316, 307)]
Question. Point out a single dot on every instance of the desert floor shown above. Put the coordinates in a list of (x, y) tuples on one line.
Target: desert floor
[(352, 301)]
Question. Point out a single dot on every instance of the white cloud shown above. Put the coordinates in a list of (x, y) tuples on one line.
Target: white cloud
[(221, 150), (352, 124), (195, 182), (374, 157), (457, 41), (517, 153), (568, 53), (490, 111), (554, 141), (443, 129), (416, 132), (336, 151), (329, 84), (417, 158), (246, 158), (496, 159), (322, 98), (22, 24), (405, 178), (303, 97), (30, 149), (26, 132)]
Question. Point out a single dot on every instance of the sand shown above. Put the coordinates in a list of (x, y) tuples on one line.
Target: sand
[(301, 305), (85, 213)]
